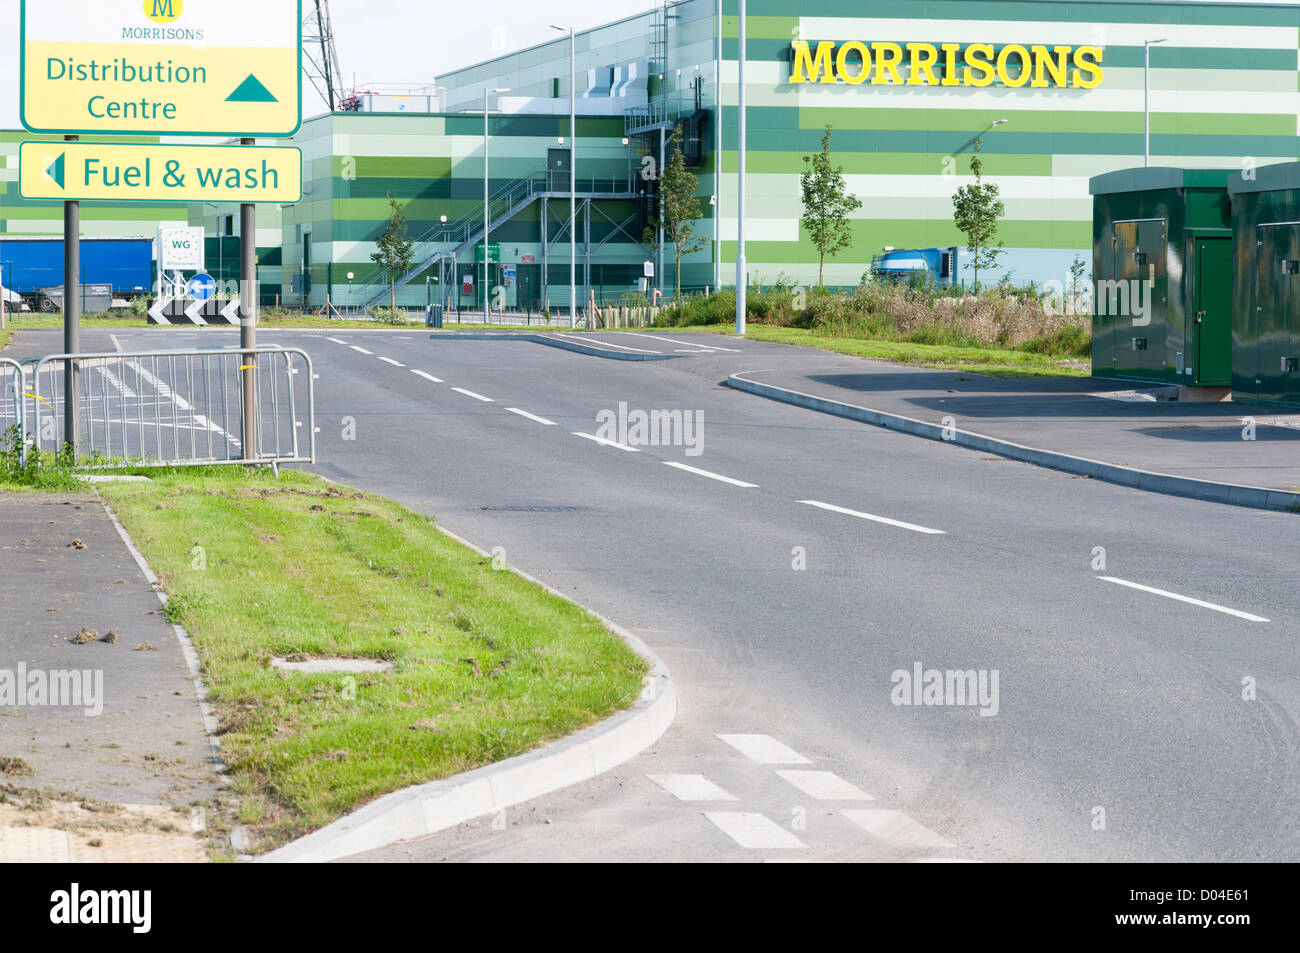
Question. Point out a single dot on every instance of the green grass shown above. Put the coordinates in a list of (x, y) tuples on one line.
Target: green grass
[(488, 665), (995, 362), (1029, 361)]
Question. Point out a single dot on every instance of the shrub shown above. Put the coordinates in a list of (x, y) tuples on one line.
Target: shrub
[(390, 315)]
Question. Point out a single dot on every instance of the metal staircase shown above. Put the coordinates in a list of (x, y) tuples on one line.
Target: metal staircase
[(448, 241)]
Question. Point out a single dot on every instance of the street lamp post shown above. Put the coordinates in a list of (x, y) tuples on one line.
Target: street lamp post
[(1146, 100), (741, 278), (573, 174), (487, 201)]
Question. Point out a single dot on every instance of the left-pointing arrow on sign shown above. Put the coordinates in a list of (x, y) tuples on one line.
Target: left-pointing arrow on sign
[(55, 170)]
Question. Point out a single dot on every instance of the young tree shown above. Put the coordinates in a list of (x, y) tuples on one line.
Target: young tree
[(679, 208), (396, 252), (826, 205), (976, 210)]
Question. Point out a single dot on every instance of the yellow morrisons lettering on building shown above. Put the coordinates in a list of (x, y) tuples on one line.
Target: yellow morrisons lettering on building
[(948, 64)]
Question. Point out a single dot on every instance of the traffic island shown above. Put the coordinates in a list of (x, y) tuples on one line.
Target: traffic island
[(485, 664)]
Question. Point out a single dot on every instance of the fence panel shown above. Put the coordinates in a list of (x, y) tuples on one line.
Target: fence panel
[(176, 408)]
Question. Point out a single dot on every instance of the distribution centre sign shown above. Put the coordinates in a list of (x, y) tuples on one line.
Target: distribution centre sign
[(112, 172), (162, 67)]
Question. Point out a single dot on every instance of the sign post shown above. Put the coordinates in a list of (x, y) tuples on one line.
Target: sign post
[(161, 68), (248, 326), (71, 317)]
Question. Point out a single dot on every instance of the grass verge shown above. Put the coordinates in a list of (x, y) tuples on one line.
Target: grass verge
[(995, 362), (487, 665)]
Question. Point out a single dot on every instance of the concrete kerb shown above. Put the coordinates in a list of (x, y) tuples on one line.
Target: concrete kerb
[(210, 725), (590, 349), (428, 808), (1230, 493)]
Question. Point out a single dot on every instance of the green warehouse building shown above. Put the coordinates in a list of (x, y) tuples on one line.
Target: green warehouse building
[(1053, 91)]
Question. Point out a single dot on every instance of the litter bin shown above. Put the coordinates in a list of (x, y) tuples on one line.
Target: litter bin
[(433, 316)]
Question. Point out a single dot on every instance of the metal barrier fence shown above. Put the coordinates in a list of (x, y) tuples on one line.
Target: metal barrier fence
[(174, 408), (11, 406)]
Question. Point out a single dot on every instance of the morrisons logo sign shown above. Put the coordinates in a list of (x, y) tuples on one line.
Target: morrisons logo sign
[(947, 64)]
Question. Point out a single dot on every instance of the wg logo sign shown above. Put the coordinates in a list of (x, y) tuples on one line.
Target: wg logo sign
[(163, 11)]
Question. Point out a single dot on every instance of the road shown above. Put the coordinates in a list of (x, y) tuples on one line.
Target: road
[(792, 569)]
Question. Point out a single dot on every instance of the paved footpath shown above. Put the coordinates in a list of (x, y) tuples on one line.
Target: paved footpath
[(117, 769)]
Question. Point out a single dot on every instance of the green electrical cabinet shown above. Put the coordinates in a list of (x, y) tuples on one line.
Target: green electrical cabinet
[(1162, 276), (1266, 302)]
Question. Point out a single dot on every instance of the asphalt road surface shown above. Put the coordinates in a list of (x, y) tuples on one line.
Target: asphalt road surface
[(797, 570)]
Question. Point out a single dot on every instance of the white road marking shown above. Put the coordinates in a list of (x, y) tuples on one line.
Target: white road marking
[(389, 360), (362, 350), (336, 341), (117, 345), (165, 392), (875, 519), (754, 831), (600, 343), (524, 413), (470, 393), (427, 376), (895, 829), (1188, 599), (764, 749), (711, 347), (604, 442), (945, 860), (706, 473), (690, 787), (825, 786), (113, 379)]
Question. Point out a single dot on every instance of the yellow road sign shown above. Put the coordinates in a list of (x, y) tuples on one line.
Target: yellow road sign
[(119, 172), (162, 67)]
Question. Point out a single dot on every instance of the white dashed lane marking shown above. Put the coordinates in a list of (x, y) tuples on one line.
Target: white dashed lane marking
[(389, 360), (690, 787), (470, 393), (895, 829), (754, 831), (1188, 599), (524, 413), (875, 519), (360, 350), (825, 786), (712, 476), (764, 749), (426, 376), (606, 443), (336, 341)]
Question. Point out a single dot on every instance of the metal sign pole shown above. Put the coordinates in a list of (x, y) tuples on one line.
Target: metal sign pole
[(248, 326), (71, 315)]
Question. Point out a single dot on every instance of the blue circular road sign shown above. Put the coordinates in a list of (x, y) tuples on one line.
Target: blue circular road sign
[(201, 287)]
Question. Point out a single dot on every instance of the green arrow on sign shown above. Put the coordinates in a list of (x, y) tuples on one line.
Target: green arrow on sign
[(55, 170), (251, 90)]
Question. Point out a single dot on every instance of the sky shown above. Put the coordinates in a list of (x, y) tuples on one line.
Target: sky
[(394, 42)]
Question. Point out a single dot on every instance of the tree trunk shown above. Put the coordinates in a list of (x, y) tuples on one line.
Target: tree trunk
[(392, 295), (821, 269)]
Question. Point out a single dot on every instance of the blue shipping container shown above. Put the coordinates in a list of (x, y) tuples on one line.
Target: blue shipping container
[(29, 264)]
